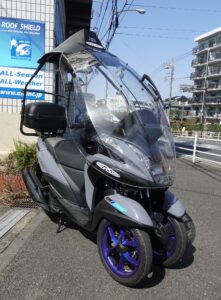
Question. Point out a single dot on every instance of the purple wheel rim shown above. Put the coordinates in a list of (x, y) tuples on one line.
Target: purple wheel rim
[(167, 250), (120, 250)]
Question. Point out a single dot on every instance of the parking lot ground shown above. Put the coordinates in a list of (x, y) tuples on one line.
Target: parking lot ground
[(67, 266)]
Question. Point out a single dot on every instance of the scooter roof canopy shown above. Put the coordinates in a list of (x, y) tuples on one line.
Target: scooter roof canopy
[(80, 41)]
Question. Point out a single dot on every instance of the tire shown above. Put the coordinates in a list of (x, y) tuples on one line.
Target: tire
[(126, 253), (170, 252), (190, 227)]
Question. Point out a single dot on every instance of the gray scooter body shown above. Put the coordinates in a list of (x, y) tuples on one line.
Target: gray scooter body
[(80, 206)]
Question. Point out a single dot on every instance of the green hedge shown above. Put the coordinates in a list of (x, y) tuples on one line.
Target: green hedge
[(197, 127), (24, 155), (214, 127)]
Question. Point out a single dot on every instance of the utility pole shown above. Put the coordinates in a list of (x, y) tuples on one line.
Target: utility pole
[(171, 74)]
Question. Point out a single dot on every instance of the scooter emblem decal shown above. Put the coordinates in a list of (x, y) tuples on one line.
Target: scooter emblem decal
[(107, 169)]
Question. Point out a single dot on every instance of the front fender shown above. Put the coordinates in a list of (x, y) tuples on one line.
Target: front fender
[(173, 205), (122, 211)]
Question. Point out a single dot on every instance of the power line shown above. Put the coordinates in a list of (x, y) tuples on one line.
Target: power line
[(99, 13), (105, 11), (155, 36), (108, 24), (124, 12), (174, 59), (178, 78), (202, 10), (182, 56), (164, 88), (161, 29), (114, 21), (112, 24)]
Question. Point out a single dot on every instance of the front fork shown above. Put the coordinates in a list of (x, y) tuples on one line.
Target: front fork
[(171, 206)]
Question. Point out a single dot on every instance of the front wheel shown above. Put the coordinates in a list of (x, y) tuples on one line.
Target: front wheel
[(169, 250), (126, 253)]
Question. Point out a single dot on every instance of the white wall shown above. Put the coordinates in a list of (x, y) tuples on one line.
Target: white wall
[(9, 131), (38, 10)]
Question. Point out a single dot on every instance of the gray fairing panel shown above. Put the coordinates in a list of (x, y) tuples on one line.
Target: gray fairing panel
[(173, 205), (48, 164), (89, 189), (75, 178), (130, 208), (54, 174)]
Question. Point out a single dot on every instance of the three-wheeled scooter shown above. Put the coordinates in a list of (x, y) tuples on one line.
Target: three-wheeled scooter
[(106, 158)]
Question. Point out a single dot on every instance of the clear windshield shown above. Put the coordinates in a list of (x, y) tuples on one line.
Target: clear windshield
[(123, 123)]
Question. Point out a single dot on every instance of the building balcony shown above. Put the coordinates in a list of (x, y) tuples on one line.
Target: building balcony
[(214, 73), (214, 58), (208, 104), (198, 89), (198, 61), (213, 86), (204, 47), (196, 104), (195, 75), (214, 99), (199, 48)]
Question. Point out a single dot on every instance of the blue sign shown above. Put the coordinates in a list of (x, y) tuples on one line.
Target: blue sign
[(13, 81), (17, 94), (22, 42)]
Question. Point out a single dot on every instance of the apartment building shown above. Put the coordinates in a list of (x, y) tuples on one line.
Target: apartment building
[(207, 76)]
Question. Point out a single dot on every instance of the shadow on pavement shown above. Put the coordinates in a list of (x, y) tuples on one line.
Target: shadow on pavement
[(158, 272), (187, 259), (154, 278), (70, 225)]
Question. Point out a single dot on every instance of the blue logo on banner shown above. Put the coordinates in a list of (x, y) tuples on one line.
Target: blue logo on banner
[(22, 42), (21, 48)]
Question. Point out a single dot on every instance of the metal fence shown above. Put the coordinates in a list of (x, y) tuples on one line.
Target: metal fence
[(206, 135), (194, 153)]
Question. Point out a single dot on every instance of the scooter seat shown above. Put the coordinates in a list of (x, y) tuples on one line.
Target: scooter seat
[(65, 152)]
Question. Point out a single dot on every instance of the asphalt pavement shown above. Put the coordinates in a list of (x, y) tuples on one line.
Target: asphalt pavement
[(66, 265)]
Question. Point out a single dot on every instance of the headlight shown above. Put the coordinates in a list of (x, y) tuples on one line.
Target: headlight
[(143, 158), (111, 142)]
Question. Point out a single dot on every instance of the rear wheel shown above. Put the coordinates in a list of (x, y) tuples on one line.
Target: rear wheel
[(170, 250), (126, 253)]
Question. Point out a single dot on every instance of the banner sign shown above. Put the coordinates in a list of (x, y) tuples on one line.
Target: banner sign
[(13, 80), (186, 88), (22, 42)]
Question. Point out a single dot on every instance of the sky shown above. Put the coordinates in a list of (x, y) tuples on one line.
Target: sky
[(163, 35)]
